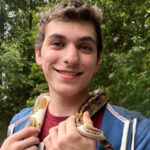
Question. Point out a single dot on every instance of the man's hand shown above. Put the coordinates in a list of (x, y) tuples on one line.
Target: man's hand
[(66, 136), (25, 139)]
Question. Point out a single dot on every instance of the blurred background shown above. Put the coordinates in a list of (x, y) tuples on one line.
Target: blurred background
[(124, 72)]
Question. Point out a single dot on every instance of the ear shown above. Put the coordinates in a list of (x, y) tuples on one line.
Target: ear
[(38, 56), (99, 59)]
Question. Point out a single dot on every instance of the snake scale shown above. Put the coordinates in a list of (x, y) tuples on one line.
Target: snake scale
[(96, 100)]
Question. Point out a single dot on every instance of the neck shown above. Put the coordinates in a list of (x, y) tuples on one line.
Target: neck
[(62, 105)]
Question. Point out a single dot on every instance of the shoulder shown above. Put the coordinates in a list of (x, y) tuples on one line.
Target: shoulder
[(143, 133), (19, 120), (19, 116), (125, 115), (134, 123), (121, 112)]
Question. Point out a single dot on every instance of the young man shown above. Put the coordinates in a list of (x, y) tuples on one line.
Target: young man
[(68, 48)]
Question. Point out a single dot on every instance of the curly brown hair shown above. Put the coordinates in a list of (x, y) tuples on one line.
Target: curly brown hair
[(72, 10)]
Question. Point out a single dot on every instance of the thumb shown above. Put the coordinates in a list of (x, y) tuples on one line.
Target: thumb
[(86, 118)]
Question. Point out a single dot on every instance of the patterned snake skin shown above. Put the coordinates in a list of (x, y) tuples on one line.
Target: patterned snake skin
[(95, 102)]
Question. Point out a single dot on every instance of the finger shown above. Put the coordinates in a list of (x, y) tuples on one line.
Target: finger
[(86, 118), (70, 125), (61, 129), (53, 129), (21, 145), (47, 142), (32, 148), (28, 142), (24, 133), (53, 136)]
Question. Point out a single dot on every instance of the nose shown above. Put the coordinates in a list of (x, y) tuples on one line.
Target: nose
[(71, 55)]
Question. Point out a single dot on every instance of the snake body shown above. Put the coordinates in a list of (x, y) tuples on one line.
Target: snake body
[(95, 102)]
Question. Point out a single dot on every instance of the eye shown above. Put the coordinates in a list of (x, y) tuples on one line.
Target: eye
[(57, 44), (85, 47)]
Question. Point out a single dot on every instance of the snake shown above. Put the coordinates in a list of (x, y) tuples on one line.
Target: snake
[(96, 100)]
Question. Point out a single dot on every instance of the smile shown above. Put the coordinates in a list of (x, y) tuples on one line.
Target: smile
[(68, 73)]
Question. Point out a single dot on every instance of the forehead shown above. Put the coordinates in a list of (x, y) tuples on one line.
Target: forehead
[(70, 28)]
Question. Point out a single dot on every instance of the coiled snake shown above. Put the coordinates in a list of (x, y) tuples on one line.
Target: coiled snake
[(96, 101)]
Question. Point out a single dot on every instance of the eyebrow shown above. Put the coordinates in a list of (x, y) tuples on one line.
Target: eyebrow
[(56, 35), (88, 38), (82, 39)]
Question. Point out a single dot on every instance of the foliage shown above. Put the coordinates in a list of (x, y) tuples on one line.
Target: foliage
[(14, 81), (130, 78), (124, 71)]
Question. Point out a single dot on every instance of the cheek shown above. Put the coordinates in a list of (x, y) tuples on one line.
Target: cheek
[(90, 63), (48, 62), (51, 58)]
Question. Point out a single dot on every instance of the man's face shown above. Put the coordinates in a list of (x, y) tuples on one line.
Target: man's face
[(68, 56)]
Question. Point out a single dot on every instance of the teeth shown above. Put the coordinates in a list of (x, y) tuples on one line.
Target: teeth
[(68, 73)]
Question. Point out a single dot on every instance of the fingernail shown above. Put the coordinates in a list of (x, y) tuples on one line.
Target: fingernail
[(86, 113)]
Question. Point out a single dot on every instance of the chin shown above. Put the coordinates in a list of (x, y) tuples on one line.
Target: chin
[(76, 91), (68, 91)]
